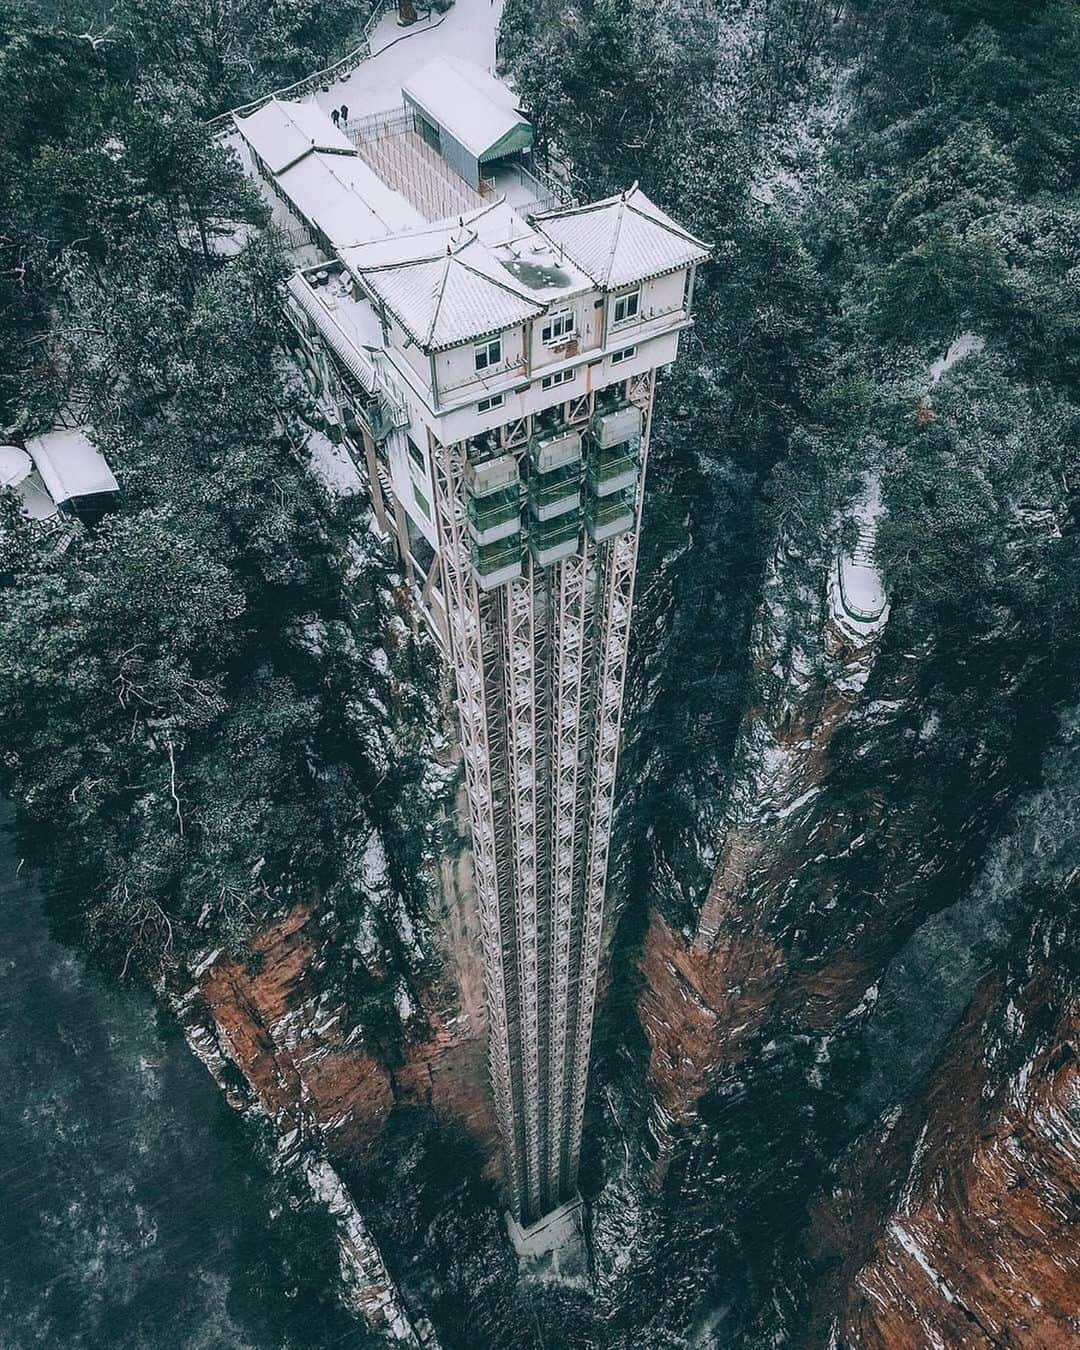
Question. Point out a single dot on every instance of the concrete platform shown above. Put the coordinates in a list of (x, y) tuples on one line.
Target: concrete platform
[(552, 1250)]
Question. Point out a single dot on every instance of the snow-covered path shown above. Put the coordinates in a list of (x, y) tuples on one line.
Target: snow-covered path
[(466, 30)]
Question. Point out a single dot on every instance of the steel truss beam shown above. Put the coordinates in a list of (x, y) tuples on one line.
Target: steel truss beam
[(540, 666)]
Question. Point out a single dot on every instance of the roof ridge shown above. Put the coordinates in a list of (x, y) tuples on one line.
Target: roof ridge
[(617, 231), (507, 285), (438, 294), (667, 224), (566, 211), (425, 261)]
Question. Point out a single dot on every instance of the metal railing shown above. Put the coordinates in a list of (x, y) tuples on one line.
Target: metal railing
[(378, 125)]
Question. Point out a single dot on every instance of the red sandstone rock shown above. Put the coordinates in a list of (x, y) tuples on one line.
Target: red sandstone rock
[(958, 1227), (306, 1069)]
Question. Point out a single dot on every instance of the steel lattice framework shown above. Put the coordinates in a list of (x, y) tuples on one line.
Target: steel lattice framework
[(540, 664)]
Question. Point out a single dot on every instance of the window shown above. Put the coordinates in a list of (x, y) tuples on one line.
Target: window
[(490, 404), (488, 354), (416, 454), (423, 555), (421, 501), (558, 377), (626, 307), (624, 355), (558, 327)]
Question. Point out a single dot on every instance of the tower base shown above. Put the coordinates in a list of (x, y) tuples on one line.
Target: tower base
[(553, 1248)]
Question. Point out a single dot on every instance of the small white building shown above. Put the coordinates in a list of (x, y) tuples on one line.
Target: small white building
[(468, 117)]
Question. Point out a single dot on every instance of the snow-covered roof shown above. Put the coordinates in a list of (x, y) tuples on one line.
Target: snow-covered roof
[(18, 473), (622, 239), (340, 341), (281, 133), (70, 466), (444, 285), (346, 199), (475, 109), (15, 465)]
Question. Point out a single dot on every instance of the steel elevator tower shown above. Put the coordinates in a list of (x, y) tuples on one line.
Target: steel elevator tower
[(487, 352), (540, 662)]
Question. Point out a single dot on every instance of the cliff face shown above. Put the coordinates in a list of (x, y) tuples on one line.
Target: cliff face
[(285, 1040), (953, 1221), (311, 1065), (759, 953), (764, 1050)]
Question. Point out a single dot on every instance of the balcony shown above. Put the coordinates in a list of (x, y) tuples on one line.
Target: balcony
[(613, 470), (383, 416), (495, 517), (608, 516), (498, 562), (554, 494), (551, 541)]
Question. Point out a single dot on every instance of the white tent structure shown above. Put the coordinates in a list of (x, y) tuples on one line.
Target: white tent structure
[(18, 473)]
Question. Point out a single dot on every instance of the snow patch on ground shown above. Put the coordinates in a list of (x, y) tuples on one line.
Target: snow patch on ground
[(965, 345), (333, 466)]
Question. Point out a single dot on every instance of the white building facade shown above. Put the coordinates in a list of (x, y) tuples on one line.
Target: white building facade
[(492, 370)]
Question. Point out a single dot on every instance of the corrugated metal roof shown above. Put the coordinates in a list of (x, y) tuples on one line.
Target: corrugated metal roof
[(281, 133), (622, 239), (444, 286), (346, 199), (476, 110)]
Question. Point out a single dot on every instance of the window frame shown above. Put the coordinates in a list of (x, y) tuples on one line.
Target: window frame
[(629, 314), (484, 350), (556, 378), (549, 337), (417, 458), (626, 354), (491, 403)]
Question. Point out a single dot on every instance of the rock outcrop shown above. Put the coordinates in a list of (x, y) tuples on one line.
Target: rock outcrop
[(952, 1223), (709, 993), (309, 1068)]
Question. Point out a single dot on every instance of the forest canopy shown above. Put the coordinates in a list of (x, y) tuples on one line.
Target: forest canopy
[(194, 694)]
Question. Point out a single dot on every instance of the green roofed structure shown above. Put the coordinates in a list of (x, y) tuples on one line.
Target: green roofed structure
[(467, 116)]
